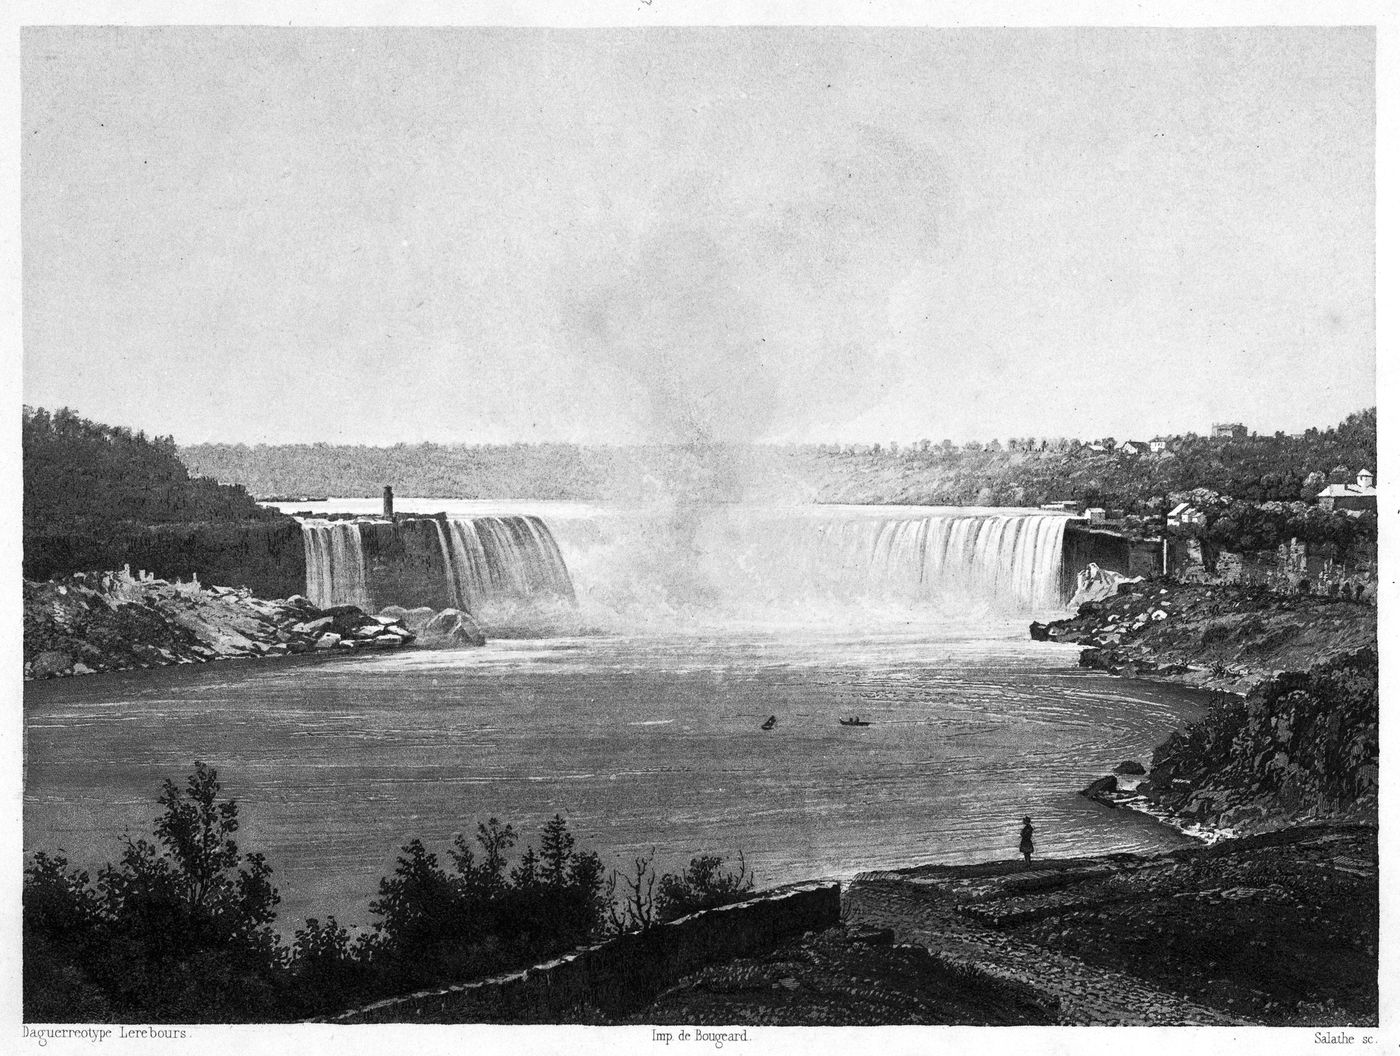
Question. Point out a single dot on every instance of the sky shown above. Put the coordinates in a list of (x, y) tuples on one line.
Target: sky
[(386, 235)]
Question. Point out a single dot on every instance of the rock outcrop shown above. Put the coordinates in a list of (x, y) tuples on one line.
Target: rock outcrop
[(1293, 737), (1224, 638), (452, 627), (115, 621), (1302, 747), (1094, 584)]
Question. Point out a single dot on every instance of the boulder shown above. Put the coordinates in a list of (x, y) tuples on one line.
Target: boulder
[(329, 640), (51, 663), (1130, 766), (314, 627), (1099, 787), (452, 627), (349, 621), (1040, 632), (416, 619), (1094, 584)]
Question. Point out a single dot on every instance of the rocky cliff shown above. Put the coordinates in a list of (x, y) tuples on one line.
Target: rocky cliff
[(114, 621), (1294, 737), (1225, 638)]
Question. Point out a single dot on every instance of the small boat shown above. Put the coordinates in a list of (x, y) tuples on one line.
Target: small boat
[(852, 722), (772, 721)]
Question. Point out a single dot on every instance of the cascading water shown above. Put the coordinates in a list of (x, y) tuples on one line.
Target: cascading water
[(1013, 558), (482, 560), (790, 563), (335, 563), (497, 558)]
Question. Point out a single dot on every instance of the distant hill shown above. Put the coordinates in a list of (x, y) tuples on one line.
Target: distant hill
[(84, 476), (1026, 472)]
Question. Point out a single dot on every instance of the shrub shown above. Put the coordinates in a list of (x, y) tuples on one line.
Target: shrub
[(703, 885), (179, 929)]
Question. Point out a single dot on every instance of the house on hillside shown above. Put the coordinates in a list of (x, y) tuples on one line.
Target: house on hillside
[(1228, 431), (1184, 514), (1096, 514), (1133, 447), (1064, 506), (1157, 444), (1353, 497)]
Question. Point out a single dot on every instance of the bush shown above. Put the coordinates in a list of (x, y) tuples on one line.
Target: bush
[(180, 929), (703, 885), (443, 926)]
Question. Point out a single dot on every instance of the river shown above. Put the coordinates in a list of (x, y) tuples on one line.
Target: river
[(643, 741)]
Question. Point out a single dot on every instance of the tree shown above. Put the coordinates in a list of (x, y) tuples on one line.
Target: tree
[(556, 848), (179, 929)]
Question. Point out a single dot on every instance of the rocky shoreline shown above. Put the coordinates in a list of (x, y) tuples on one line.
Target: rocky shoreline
[(1293, 738), (85, 624)]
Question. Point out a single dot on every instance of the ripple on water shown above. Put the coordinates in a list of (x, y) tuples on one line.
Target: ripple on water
[(645, 743)]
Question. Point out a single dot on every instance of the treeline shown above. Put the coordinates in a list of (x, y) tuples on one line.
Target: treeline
[(1031, 472), (1021, 472), (454, 471), (180, 930), (81, 475)]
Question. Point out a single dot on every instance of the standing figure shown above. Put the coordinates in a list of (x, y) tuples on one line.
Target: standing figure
[(1027, 843)]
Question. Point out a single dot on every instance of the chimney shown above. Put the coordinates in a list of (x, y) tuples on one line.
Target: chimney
[(388, 502)]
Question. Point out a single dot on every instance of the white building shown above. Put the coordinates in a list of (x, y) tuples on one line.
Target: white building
[(1185, 514)]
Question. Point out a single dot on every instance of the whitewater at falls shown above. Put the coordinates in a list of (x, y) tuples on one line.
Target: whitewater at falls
[(710, 557)]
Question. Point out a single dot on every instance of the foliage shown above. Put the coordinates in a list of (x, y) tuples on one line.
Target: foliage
[(82, 475), (178, 930), (639, 899), (703, 885), (1023, 472)]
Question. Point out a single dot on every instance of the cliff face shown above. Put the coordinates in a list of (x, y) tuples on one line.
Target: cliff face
[(1296, 737), (1300, 747), (266, 557)]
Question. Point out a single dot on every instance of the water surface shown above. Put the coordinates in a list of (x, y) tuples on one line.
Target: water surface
[(642, 742)]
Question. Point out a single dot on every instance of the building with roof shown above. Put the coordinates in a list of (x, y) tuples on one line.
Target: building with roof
[(1353, 497), (1184, 514)]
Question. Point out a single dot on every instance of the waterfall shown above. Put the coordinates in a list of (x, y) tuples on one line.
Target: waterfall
[(496, 558), (1013, 558), (482, 559), (335, 563), (724, 559)]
